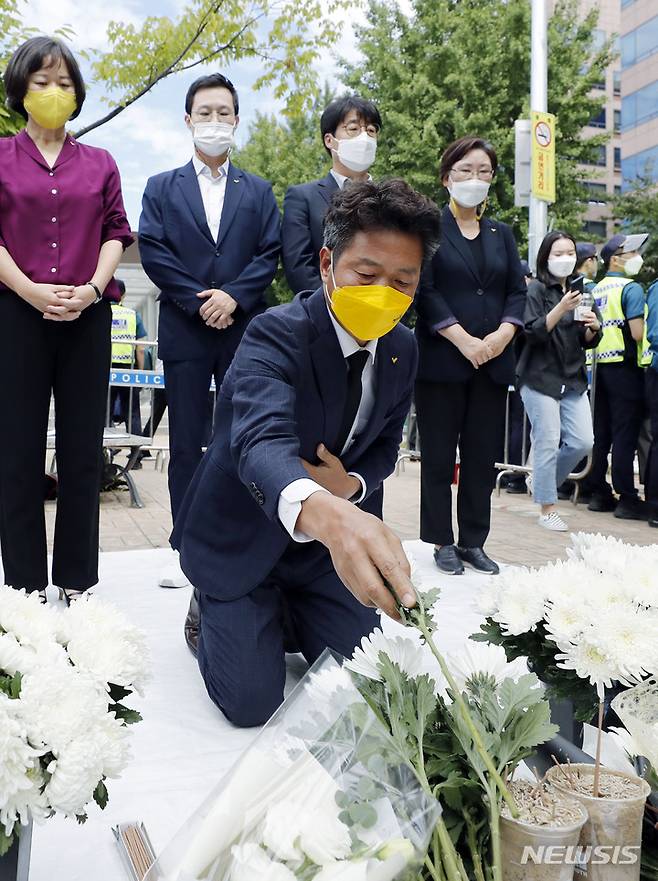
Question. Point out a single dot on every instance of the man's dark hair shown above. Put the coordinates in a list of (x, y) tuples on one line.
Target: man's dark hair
[(121, 285), (545, 249), (458, 149), (211, 81), (30, 57), (336, 112), (387, 205)]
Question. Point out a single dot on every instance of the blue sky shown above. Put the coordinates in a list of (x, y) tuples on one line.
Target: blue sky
[(151, 135)]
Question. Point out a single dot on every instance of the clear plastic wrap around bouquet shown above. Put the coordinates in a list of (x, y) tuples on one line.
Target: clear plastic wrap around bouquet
[(321, 795)]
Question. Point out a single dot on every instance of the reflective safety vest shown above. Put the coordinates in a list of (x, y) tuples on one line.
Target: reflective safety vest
[(612, 348), (124, 327)]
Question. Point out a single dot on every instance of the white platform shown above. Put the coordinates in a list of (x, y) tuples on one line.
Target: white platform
[(184, 744)]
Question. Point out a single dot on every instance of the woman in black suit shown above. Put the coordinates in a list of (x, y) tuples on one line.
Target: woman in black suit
[(470, 304)]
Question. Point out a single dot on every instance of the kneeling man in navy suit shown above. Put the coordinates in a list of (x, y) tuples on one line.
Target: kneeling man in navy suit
[(281, 528)]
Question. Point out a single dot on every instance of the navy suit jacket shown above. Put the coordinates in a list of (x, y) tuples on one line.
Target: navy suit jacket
[(180, 256), (282, 396), (452, 288), (302, 231)]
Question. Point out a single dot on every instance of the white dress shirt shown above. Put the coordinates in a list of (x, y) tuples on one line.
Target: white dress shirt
[(213, 190), (292, 496), (341, 178)]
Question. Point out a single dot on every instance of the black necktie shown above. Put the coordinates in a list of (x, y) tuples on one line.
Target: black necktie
[(355, 365)]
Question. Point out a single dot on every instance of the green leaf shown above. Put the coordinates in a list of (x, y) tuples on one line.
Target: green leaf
[(126, 715), (101, 795), (6, 841)]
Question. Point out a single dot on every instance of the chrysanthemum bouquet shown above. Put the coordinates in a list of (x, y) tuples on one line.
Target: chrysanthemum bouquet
[(584, 623), (63, 678)]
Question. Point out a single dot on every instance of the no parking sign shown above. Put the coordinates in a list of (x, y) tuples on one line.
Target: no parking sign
[(543, 155)]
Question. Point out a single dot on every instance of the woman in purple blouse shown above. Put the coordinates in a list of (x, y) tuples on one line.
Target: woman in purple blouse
[(63, 229)]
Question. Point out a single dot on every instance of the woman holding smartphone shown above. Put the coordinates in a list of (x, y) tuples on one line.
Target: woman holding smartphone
[(551, 372)]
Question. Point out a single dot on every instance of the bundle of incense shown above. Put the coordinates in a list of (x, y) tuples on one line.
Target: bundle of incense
[(135, 848)]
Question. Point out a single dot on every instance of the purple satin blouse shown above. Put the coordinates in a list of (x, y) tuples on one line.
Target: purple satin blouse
[(53, 221)]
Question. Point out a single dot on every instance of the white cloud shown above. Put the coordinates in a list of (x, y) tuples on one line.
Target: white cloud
[(90, 26)]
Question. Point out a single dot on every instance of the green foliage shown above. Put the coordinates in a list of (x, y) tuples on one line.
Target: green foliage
[(541, 653), (101, 795), (6, 841), (455, 68), (284, 38), (12, 34), (11, 685), (638, 206)]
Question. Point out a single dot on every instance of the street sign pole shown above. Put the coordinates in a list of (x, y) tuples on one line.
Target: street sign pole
[(538, 102)]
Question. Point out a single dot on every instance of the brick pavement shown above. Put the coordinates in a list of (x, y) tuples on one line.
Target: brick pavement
[(515, 535)]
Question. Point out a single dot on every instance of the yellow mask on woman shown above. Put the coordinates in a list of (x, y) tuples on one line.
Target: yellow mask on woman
[(50, 107), (368, 311)]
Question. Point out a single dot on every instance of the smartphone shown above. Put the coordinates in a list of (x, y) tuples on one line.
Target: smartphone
[(577, 284)]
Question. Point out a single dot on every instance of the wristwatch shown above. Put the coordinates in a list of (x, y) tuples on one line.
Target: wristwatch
[(99, 296)]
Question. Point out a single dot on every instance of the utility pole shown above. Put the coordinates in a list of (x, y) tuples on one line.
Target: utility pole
[(538, 102)]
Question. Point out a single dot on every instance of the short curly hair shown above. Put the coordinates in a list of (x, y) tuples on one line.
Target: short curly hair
[(31, 57), (385, 205)]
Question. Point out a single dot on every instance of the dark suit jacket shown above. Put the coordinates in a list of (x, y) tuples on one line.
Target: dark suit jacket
[(283, 395), (452, 291), (304, 209), (180, 256)]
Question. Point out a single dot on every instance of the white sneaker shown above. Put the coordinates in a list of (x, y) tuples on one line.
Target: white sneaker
[(553, 521), (173, 576), (528, 484)]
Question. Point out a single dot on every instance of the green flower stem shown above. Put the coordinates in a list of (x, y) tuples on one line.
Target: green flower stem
[(494, 818), (448, 854), (429, 865), (473, 848), (470, 724)]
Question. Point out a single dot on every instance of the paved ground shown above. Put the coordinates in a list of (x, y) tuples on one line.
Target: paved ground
[(515, 535)]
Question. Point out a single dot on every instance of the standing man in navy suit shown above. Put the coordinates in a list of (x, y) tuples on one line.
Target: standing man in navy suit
[(283, 517), (209, 239), (350, 127)]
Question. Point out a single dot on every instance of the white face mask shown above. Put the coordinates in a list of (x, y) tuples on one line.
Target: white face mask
[(469, 193), (561, 267), (633, 265), (213, 138), (358, 153)]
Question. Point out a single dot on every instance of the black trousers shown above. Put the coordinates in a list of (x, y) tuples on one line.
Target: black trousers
[(472, 415), (619, 406), (651, 476), (190, 416), (71, 360)]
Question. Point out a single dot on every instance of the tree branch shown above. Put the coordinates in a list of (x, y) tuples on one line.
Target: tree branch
[(171, 67)]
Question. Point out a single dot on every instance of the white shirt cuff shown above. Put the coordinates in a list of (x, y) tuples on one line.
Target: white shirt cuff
[(290, 505), (357, 498)]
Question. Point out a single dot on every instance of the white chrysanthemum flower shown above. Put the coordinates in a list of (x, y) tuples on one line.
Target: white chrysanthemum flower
[(59, 704), (588, 661), (520, 608), (404, 651), (324, 838), (76, 773), (482, 659), (630, 637), (251, 863), (101, 640), (323, 685), (113, 739), (565, 617), (25, 617), (282, 828), (20, 771), (13, 657), (488, 597)]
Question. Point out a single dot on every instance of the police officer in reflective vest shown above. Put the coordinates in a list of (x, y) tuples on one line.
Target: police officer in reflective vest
[(651, 479), (621, 356), (124, 329)]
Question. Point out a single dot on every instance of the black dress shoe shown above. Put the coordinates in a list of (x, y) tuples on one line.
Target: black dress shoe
[(517, 487), (601, 503), (191, 626), (632, 509), (477, 559), (653, 521), (447, 560)]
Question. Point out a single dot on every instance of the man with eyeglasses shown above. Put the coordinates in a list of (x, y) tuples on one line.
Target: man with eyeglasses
[(209, 238), (350, 127)]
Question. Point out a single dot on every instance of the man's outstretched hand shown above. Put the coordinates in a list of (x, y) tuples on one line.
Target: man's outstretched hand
[(363, 550)]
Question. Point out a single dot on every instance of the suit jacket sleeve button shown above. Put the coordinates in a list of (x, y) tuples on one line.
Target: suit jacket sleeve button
[(479, 292)]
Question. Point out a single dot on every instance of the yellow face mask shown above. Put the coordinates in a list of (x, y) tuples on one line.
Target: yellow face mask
[(50, 107), (368, 311)]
